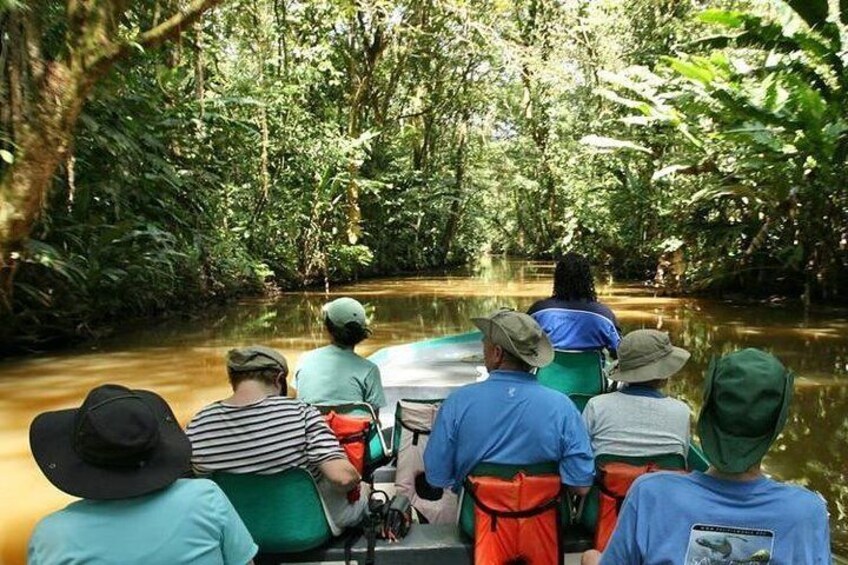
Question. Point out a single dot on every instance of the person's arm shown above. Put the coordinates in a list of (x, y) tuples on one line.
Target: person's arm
[(440, 453), (374, 389), (324, 451), (577, 463), (341, 474)]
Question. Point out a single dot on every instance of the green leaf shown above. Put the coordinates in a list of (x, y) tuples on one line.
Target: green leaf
[(7, 156), (691, 70), (610, 143), (723, 17)]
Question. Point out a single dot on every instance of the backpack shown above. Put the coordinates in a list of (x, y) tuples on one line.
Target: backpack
[(517, 520), (614, 479), (352, 433)]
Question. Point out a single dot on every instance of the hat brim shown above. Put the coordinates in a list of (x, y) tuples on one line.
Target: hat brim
[(51, 438), (662, 368), (544, 354)]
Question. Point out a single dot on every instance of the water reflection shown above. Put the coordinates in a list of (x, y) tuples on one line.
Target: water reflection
[(183, 361)]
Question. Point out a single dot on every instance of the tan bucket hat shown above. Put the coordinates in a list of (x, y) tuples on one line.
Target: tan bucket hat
[(519, 334), (645, 355)]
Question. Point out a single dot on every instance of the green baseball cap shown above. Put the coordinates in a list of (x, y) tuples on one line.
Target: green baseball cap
[(519, 334), (342, 311), (746, 404), (256, 358)]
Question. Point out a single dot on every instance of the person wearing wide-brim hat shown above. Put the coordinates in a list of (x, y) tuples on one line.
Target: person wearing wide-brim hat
[(639, 419), (123, 452), (731, 513), (335, 373), (509, 418)]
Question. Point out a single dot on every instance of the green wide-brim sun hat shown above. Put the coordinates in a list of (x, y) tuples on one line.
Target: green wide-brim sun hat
[(746, 404)]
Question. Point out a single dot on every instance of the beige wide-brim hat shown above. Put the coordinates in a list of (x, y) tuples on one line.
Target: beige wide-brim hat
[(519, 334), (646, 355)]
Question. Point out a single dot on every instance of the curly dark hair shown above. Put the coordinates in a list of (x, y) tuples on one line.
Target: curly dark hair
[(348, 335), (573, 279)]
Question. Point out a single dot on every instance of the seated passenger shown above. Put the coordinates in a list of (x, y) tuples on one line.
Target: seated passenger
[(335, 374), (509, 418), (259, 430), (732, 513), (573, 318), (123, 452), (639, 420)]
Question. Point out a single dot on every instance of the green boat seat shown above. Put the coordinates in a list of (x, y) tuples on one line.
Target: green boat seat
[(283, 512), (378, 453), (506, 472), (579, 374)]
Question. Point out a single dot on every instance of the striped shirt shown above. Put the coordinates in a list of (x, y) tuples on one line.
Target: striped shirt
[(268, 436)]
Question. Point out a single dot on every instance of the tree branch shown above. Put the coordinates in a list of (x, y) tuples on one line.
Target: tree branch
[(168, 29)]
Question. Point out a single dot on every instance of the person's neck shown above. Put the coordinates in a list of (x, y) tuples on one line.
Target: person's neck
[(340, 346), (751, 474), (249, 392)]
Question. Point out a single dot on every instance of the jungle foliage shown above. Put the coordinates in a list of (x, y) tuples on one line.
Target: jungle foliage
[(286, 143)]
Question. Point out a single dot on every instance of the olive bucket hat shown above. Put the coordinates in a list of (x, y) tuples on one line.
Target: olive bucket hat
[(519, 334), (256, 358), (646, 355), (120, 443), (746, 404)]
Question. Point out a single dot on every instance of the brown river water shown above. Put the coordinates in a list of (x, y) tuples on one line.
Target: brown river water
[(183, 360)]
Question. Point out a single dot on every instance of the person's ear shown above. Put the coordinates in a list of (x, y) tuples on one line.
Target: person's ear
[(499, 354)]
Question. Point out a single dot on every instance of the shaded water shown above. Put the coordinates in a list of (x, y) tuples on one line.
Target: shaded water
[(183, 361)]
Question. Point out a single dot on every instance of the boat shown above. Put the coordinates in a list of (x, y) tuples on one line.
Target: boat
[(426, 370)]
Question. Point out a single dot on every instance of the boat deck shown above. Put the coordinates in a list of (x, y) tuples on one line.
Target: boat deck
[(425, 544)]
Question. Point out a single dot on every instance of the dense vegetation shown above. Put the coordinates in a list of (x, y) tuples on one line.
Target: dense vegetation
[(287, 142)]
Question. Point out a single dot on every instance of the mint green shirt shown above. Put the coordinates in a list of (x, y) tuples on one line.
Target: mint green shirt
[(335, 375), (189, 522)]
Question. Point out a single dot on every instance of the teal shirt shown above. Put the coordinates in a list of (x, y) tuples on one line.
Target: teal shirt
[(189, 522), (335, 375)]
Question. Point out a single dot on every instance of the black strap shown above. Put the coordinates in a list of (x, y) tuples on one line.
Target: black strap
[(527, 513), (353, 438), (415, 432)]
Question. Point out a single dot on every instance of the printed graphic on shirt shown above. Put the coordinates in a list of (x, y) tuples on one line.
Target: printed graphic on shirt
[(721, 545)]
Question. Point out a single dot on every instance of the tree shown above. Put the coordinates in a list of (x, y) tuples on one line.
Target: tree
[(46, 86)]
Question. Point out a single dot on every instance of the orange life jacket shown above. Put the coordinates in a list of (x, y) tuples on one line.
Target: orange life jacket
[(614, 480), (352, 433), (517, 519)]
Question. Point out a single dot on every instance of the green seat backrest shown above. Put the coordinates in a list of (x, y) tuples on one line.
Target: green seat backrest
[(578, 374), (506, 472), (283, 512), (670, 461), (398, 429)]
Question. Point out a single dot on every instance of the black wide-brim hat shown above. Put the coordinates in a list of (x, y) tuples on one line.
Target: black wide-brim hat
[(82, 458)]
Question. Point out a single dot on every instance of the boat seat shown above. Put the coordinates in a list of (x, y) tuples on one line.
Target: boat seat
[(507, 472), (588, 516), (579, 374), (378, 453), (283, 512)]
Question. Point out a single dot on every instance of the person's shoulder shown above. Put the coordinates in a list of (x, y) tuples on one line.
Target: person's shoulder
[(539, 305), (800, 498)]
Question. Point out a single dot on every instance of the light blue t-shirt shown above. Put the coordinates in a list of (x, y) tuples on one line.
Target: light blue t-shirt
[(510, 419), (190, 522), (336, 375), (669, 518)]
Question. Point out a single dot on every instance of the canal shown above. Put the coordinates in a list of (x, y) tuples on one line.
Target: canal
[(183, 360)]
